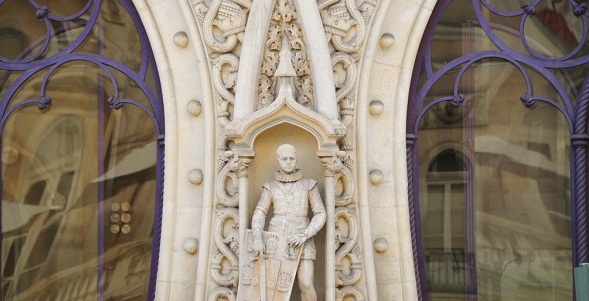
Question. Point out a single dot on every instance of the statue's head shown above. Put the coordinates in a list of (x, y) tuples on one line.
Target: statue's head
[(286, 155)]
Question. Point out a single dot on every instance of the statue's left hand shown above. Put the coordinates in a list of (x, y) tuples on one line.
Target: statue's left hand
[(297, 240)]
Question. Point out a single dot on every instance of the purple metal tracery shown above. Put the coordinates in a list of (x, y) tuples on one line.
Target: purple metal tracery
[(46, 16), (575, 114), (31, 63)]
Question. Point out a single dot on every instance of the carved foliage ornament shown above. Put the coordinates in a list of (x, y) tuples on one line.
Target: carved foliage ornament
[(284, 28), (223, 22)]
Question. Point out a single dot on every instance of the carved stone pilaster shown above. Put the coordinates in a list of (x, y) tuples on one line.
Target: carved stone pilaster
[(228, 222), (348, 278)]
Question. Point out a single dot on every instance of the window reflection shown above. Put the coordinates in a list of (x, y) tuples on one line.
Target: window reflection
[(78, 178), (443, 226), (50, 212), (494, 176)]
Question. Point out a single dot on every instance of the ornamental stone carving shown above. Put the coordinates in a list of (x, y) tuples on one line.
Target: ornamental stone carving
[(223, 24), (285, 28), (268, 67)]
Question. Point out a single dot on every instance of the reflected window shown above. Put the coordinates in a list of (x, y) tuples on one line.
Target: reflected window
[(82, 141), (499, 112), (443, 223)]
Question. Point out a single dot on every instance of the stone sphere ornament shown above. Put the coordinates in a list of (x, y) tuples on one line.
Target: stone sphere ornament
[(376, 107), (194, 107), (195, 176), (387, 40), (191, 246), (376, 176), (381, 245), (181, 39)]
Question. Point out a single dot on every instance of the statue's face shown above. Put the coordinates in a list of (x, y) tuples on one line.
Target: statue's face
[(287, 160)]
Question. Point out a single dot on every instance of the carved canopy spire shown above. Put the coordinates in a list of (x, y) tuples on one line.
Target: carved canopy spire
[(315, 45)]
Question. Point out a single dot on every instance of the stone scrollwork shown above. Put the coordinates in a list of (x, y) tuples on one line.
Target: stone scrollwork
[(350, 292), (348, 254), (346, 23), (227, 186), (349, 281), (222, 294), (223, 25), (224, 260), (344, 192), (345, 73), (224, 77), (341, 20), (346, 246)]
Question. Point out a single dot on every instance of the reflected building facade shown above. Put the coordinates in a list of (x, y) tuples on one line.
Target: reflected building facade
[(499, 111), (78, 152), (464, 148)]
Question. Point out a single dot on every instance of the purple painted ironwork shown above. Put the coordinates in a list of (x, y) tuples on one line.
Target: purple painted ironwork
[(580, 140), (575, 114), (31, 62), (414, 216), (24, 64)]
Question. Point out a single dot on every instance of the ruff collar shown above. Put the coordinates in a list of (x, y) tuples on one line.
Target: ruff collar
[(288, 177)]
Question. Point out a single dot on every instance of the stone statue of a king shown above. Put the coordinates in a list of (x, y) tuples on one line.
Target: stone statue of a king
[(287, 248)]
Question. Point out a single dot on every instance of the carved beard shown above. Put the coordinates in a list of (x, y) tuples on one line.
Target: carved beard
[(280, 176)]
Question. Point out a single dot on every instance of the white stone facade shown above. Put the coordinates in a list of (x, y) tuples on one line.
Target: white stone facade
[(376, 135)]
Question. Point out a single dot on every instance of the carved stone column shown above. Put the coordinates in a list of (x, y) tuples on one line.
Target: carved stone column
[(333, 165), (240, 166)]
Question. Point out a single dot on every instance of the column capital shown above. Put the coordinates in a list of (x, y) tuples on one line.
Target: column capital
[(239, 161), (333, 163)]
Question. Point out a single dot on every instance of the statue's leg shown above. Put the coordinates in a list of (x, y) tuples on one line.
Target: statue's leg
[(305, 277)]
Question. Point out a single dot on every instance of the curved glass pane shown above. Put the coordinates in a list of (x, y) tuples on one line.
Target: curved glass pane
[(78, 163), (495, 196)]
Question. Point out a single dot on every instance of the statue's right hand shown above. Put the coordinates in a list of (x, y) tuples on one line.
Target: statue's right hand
[(258, 247)]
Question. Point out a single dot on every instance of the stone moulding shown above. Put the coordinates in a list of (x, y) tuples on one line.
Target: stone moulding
[(244, 131)]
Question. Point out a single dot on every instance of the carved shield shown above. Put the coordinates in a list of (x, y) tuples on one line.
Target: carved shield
[(280, 261)]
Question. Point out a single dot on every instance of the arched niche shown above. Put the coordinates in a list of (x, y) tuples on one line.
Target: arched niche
[(263, 167), (257, 136), (285, 110), (264, 164)]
